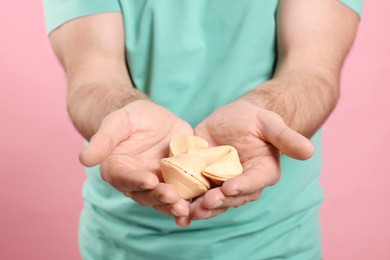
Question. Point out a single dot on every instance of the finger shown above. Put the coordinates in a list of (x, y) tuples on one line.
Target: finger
[(163, 194), (238, 201), (284, 138), (258, 177), (183, 221), (179, 209), (217, 199), (197, 211), (113, 130), (211, 214), (213, 198), (116, 172)]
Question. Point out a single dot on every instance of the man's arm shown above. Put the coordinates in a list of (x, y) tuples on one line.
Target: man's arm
[(128, 134), (92, 52), (314, 38)]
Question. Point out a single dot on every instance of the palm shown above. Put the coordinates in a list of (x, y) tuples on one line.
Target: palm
[(259, 136), (129, 145), (144, 149), (147, 143), (238, 125), (240, 131)]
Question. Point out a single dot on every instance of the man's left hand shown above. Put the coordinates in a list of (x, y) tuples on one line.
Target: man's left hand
[(259, 135)]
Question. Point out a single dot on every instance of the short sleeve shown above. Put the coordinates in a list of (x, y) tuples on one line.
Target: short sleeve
[(355, 5), (58, 12)]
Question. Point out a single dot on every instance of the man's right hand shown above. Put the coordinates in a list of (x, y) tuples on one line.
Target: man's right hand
[(128, 141), (129, 145)]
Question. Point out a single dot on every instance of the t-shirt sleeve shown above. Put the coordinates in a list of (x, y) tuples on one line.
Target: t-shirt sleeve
[(58, 12), (355, 5)]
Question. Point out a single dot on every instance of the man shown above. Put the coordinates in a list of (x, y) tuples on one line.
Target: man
[(262, 76)]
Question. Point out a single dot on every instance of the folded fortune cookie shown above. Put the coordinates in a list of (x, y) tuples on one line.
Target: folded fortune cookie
[(192, 164)]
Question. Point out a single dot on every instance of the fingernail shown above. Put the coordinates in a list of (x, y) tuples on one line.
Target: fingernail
[(233, 193), (145, 186), (217, 204), (173, 212), (202, 214), (163, 199), (182, 221), (208, 214)]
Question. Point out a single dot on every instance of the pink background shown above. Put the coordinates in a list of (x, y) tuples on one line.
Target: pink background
[(41, 179)]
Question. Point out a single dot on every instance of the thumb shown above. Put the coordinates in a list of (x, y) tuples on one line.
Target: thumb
[(112, 132), (288, 141)]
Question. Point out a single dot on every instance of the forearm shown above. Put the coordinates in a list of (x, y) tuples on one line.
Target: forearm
[(314, 37), (91, 50), (89, 103), (304, 99)]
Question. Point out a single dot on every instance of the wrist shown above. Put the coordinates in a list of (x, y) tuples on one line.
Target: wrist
[(89, 103), (303, 100)]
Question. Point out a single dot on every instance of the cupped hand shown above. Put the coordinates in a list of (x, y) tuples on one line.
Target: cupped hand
[(129, 146), (259, 136)]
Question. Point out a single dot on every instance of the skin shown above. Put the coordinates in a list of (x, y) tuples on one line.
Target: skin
[(312, 46), (118, 120), (314, 38)]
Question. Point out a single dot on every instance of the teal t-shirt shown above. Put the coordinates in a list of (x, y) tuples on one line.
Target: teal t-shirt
[(181, 52)]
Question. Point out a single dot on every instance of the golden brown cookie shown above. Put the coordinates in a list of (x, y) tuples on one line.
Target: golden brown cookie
[(192, 164)]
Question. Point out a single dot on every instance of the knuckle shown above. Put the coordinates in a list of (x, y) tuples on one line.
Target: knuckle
[(140, 201), (220, 211), (128, 194), (245, 201), (113, 181), (255, 196), (106, 172), (143, 198), (161, 209), (105, 177), (241, 203), (143, 203), (275, 180)]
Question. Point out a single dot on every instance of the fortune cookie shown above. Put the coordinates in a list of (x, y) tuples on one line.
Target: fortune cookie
[(182, 143), (222, 162), (185, 173), (192, 164)]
